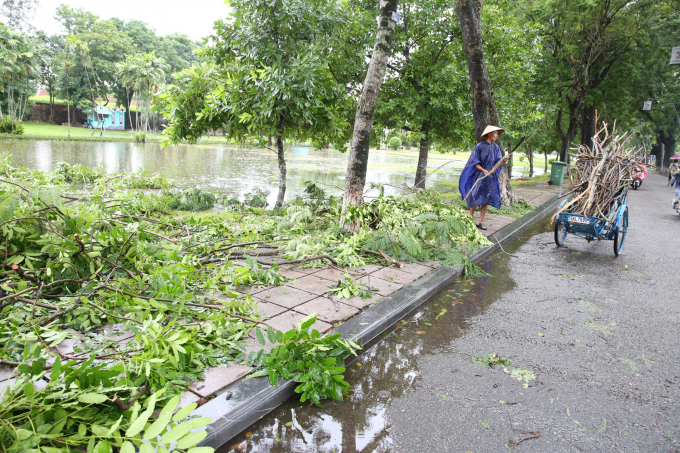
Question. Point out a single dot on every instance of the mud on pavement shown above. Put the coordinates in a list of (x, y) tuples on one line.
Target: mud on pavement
[(598, 335)]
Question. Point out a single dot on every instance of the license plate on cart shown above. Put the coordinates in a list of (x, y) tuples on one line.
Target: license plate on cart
[(578, 219)]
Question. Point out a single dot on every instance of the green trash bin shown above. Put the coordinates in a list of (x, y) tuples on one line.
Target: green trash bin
[(557, 172)]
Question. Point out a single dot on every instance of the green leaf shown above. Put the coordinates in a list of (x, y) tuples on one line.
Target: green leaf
[(56, 369), (138, 425), (23, 434), (103, 447), (191, 439), (273, 377), (114, 427), (146, 448), (92, 398), (127, 447), (163, 419), (271, 334), (180, 431), (260, 336), (201, 450), (308, 321), (82, 430), (182, 413), (29, 389), (279, 336)]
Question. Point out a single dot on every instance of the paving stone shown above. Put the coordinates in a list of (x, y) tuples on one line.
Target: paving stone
[(312, 284), (431, 264), (269, 309), (326, 309), (292, 274), (300, 269), (358, 302), (394, 275), (288, 320), (252, 290), (385, 288), (5, 373), (215, 379), (367, 269), (416, 269), (330, 274), (285, 296)]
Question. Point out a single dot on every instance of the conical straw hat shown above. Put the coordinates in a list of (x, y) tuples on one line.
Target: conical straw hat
[(489, 129)]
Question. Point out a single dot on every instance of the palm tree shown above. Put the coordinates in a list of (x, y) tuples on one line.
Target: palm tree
[(20, 58), (143, 73)]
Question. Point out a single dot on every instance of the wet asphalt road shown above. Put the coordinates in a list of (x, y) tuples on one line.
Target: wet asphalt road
[(600, 337)]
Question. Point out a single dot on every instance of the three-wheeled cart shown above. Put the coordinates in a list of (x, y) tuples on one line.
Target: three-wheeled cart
[(612, 226)]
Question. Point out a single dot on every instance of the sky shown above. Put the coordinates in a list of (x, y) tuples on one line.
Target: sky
[(194, 18)]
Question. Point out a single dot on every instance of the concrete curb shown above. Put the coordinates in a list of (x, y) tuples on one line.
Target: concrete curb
[(245, 401)]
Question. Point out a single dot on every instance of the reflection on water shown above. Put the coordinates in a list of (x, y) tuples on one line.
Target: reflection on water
[(234, 170), (383, 372)]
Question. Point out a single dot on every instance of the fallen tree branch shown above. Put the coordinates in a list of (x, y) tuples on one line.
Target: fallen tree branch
[(122, 405), (384, 256), (533, 435), (220, 307)]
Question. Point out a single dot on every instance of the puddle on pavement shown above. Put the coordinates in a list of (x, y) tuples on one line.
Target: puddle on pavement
[(387, 369)]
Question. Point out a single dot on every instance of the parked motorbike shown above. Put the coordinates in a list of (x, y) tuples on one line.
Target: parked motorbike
[(639, 174)]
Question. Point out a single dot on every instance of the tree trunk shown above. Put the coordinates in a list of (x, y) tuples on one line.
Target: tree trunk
[(128, 100), (668, 141), (588, 126), (545, 164), (52, 106), (282, 171), (531, 163), (421, 171), (282, 163), (566, 141), (363, 121), (484, 110)]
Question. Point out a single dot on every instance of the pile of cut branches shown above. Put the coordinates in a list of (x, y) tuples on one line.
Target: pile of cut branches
[(601, 174)]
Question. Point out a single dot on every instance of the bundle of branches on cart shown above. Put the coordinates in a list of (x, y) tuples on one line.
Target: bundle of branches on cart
[(601, 174)]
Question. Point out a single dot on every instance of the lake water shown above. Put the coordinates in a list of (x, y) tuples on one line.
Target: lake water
[(238, 171)]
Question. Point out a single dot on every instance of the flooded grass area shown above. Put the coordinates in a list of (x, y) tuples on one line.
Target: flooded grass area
[(238, 171), (387, 369)]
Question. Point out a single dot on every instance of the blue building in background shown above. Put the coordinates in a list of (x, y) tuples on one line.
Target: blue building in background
[(113, 118)]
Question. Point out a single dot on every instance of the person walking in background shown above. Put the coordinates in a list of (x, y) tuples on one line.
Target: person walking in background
[(675, 166), (675, 182), (482, 160)]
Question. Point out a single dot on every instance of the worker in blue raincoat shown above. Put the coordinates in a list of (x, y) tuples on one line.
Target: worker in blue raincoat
[(482, 160)]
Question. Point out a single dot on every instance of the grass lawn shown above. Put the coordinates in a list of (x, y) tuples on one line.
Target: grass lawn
[(45, 131)]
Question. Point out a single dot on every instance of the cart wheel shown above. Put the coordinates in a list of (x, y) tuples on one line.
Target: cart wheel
[(620, 233), (560, 233)]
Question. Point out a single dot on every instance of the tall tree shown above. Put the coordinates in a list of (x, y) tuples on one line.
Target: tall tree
[(272, 78), (18, 13), (424, 91), (363, 121), (144, 73), (484, 110), (20, 62), (584, 40), (643, 74)]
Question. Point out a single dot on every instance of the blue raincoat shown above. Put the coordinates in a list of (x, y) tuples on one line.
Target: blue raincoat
[(488, 191)]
